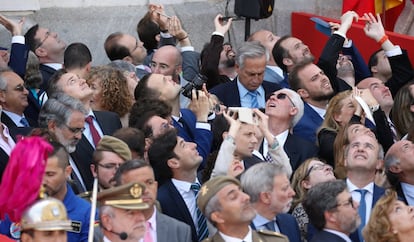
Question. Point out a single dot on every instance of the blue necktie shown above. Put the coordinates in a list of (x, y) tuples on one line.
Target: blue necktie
[(270, 225), (362, 210), (202, 231), (253, 99), (24, 122)]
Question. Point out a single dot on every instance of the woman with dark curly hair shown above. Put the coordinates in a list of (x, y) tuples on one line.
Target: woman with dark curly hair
[(110, 92), (391, 221)]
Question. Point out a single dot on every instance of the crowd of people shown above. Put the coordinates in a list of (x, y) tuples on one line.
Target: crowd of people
[(164, 143)]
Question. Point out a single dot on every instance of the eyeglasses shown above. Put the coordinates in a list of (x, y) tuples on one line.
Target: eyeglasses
[(350, 201), (74, 130), (318, 167), (282, 96), (41, 42), (110, 166), (19, 88)]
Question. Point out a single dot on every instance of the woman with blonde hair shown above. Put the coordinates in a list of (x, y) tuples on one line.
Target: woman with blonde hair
[(341, 109), (110, 92), (403, 109), (311, 172), (391, 221)]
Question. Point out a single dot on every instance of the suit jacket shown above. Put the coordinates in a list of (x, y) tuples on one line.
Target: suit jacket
[(378, 193), (202, 137), (325, 236), (170, 229), (257, 236), (298, 150), (271, 76), (288, 226), (173, 205), (46, 72), (4, 159), (109, 123), (6, 120), (402, 72), (308, 124), (228, 93), (18, 58)]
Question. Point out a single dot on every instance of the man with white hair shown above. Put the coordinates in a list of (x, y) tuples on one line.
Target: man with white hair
[(285, 108)]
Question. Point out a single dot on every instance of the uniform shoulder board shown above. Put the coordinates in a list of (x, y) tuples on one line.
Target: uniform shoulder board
[(272, 233)]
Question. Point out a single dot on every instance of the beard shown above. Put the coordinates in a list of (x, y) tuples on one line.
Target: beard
[(324, 96)]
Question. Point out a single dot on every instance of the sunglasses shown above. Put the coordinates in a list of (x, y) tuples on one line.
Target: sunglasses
[(75, 130), (282, 96)]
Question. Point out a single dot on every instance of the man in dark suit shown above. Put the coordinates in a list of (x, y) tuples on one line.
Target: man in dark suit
[(285, 109), (399, 169), (7, 144), (362, 162), (49, 49), (162, 228), (13, 98), (175, 164), (97, 123), (249, 89), (271, 195), (332, 211)]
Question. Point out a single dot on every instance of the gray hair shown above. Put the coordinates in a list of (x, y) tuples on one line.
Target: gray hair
[(212, 206), (320, 198), (391, 160), (3, 81), (297, 100), (122, 65), (251, 49), (59, 109), (259, 178), (127, 166)]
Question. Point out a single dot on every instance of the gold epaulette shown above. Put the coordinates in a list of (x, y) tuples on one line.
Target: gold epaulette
[(272, 233)]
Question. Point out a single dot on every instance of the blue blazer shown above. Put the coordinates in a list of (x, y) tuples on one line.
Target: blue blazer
[(325, 236), (287, 225), (202, 137), (298, 150), (173, 205), (18, 58), (228, 93), (308, 124)]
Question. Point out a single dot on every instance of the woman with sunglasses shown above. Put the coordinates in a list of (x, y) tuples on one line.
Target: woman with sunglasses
[(311, 172)]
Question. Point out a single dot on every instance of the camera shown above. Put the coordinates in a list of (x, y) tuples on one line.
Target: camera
[(196, 83)]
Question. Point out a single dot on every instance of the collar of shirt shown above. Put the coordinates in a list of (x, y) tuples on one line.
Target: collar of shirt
[(276, 69), (55, 66), (183, 185), (247, 238), (6, 145), (357, 196), (408, 191), (352, 187), (320, 111), (153, 230), (259, 221), (281, 138), (14, 117), (243, 92), (340, 234)]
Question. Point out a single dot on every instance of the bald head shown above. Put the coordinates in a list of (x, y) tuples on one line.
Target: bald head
[(167, 61)]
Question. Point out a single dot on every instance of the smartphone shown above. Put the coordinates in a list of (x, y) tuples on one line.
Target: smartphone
[(245, 115)]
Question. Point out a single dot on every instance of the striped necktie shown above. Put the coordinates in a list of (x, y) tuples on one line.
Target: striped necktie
[(202, 231), (253, 99)]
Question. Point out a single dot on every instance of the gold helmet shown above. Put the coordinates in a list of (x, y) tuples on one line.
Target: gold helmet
[(47, 214)]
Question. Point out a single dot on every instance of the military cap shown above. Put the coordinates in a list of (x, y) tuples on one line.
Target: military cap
[(211, 187), (47, 214), (127, 196), (115, 145)]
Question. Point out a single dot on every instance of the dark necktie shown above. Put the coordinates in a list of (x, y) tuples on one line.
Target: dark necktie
[(362, 210), (270, 225), (95, 135), (24, 122), (202, 231)]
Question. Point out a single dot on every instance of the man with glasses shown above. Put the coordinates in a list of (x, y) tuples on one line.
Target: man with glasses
[(63, 117), (13, 99), (110, 153), (284, 109), (362, 162), (49, 49), (332, 211)]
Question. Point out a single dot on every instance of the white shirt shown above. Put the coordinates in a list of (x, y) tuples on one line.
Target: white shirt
[(87, 131), (8, 145), (369, 196), (320, 111), (408, 191), (281, 138), (248, 238), (340, 234), (55, 66), (184, 188)]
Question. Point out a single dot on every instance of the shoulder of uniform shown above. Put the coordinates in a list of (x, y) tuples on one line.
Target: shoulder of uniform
[(206, 240), (271, 233)]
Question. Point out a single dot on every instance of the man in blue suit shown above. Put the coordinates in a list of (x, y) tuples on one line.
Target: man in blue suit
[(249, 89), (332, 211), (175, 164), (361, 162), (270, 192)]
